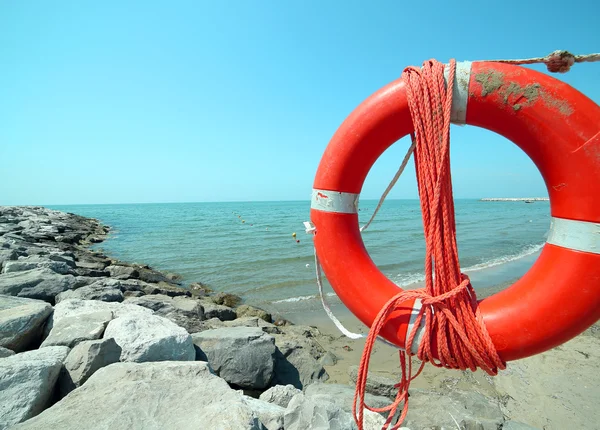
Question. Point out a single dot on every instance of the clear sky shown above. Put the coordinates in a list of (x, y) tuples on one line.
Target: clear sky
[(176, 101)]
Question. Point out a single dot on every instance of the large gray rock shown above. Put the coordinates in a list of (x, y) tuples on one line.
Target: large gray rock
[(303, 413), (73, 307), (85, 359), (92, 292), (150, 338), (376, 384), (514, 425), (7, 255), (12, 283), (49, 288), (243, 356), (296, 361), (253, 322), (212, 310), (280, 395), (36, 262), (21, 322), (27, 382), (183, 311), (72, 330), (123, 272), (269, 414), (342, 396), (446, 408), (150, 396), (250, 311)]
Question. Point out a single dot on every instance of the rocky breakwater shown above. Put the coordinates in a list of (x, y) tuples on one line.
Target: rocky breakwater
[(87, 341)]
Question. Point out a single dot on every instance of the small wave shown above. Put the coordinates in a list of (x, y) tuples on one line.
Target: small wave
[(406, 279), (301, 298)]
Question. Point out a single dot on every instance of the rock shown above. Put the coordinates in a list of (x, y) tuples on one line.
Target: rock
[(183, 311), (249, 311), (49, 288), (152, 276), (253, 322), (73, 307), (130, 294), (199, 290), (92, 265), (328, 359), (377, 385), (514, 425), (342, 396), (123, 272), (212, 310), (303, 413), (85, 359), (250, 366), (94, 291), (150, 338), (150, 396), (5, 352), (280, 395), (72, 330), (27, 382), (12, 283), (225, 299), (66, 258), (270, 415), (21, 322), (165, 289), (451, 407), (296, 361), (7, 255)]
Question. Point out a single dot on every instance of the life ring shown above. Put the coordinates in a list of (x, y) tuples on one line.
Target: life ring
[(556, 126)]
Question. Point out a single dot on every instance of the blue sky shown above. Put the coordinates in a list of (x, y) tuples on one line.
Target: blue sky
[(138, 101)]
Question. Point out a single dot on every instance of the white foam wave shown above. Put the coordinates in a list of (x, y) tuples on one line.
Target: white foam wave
[(406, 279), (301, 298)]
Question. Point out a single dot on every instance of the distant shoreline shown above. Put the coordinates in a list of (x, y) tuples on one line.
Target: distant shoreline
[(515, 199)]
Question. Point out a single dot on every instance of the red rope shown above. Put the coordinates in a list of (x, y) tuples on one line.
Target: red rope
[(453, 321)]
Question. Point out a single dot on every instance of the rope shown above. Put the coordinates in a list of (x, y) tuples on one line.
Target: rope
[(557, 61), (449, 304)]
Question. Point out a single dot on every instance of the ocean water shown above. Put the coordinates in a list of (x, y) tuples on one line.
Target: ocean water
[(248, 249)]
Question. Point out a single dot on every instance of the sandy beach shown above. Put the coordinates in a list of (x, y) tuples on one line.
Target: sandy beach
[(558, 389)]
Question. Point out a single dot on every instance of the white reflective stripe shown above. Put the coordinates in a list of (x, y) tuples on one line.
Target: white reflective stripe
[(420, 330), (460, 93), (334, 201), (577, 235)]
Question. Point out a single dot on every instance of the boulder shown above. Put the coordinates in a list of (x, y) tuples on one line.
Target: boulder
[(253, 322), (249, 311), (280, 395), (92, 292), (21, 322), (27, 383), (49, 288), (123, 272), (73, 307), (270, 415), (243, 356), (198, 289), (7, 255), (221, 312), (514, 425), (150, 338), (85, 359), (296, 362), (342, 395), (150, 396), (5, 352), (12, 283), (471, 409), (304, 413), (70, 331), (183, 311), (376, 384), (225, 299)]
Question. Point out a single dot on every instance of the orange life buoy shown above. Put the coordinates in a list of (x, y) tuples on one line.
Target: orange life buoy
[(556, 126)]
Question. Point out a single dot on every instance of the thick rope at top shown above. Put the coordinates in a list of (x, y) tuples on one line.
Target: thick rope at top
[(556, 62)]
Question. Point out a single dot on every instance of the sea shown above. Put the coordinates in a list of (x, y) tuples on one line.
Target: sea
[(260, 251)]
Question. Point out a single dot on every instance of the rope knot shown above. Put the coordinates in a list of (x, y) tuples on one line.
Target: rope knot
[(559, 61)]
